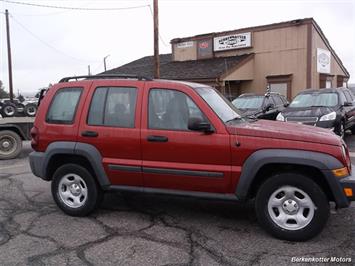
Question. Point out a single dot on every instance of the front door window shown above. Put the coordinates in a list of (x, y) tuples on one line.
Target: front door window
[(171, 110)]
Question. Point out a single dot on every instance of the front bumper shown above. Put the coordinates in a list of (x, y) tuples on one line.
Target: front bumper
[(349, 184)]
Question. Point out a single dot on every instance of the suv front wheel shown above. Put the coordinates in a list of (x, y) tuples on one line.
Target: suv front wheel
[(75, 190), (292, 207)]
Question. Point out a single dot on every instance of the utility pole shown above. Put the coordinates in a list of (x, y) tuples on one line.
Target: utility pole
[(89, 71), (156, 41), (9, 55), (105, 61)]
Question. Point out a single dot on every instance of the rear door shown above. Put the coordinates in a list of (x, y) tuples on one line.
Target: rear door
[(64, 103), (111, 123), (175, 157)]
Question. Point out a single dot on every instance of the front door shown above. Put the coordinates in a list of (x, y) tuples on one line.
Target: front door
[(111, 123), (175, 157)]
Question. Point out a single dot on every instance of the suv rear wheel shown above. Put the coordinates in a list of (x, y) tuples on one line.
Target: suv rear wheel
[(291, 207), (75, 190)]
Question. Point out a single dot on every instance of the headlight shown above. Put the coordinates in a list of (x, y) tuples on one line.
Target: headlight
[(280, 117), (328, 117)]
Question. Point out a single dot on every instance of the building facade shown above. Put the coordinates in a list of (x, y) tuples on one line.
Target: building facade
[(287, 56)]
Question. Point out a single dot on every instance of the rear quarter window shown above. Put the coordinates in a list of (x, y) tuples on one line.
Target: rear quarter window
[(63, 107)]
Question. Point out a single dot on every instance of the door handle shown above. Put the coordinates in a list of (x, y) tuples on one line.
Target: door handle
[(157, 138), (91, 134)]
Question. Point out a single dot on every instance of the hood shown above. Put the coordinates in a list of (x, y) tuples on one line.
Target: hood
[(283, 130), (307, 112)]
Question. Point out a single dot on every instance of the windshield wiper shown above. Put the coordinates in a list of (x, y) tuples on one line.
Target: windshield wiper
[(235, 118)]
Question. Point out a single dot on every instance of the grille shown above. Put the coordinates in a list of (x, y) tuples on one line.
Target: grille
[(304, 120)]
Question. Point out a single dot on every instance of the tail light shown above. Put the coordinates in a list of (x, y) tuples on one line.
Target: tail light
[(34, 138)]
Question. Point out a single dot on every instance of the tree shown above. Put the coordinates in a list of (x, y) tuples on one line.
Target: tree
[(3, 93)]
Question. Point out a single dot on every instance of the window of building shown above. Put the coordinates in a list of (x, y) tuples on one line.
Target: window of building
[(171, 110), (280, 84), (113, 106), (328, 84), (342, 81), (279, 88), (325, 81), (63, 107)]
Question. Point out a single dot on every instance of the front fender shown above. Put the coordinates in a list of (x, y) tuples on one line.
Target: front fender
[(324, 162)]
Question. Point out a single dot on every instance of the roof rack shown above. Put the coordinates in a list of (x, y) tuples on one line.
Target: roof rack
[(105, 76)]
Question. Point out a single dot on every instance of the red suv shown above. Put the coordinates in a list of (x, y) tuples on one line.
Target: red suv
[(129, 133)]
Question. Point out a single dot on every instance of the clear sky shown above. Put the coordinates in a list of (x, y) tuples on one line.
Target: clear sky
[(49, 43)]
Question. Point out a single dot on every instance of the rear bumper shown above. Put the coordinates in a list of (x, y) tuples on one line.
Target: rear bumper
[(349, 183), (37, 164)]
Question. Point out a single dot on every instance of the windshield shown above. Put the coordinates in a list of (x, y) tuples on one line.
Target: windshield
[(317, 99), (219, 104), (254, 102)]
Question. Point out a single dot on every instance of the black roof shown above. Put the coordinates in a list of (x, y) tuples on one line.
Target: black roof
[(179, 70)]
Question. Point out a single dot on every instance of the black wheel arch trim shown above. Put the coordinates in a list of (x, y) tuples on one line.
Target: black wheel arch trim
[(321, 161), (39, 161)]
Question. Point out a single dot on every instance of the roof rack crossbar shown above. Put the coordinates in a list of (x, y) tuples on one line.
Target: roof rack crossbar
[(105, 76)]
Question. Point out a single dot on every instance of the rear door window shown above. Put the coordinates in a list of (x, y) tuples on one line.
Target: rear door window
[(113, 106), (63, 107)]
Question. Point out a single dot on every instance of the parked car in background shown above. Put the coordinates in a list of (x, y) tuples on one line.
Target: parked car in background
[(265, 106), (328, 108), (352, 89)]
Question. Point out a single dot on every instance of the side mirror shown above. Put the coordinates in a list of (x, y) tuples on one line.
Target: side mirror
[(268, 107), (197, 124), (348, 104), (286, 104)]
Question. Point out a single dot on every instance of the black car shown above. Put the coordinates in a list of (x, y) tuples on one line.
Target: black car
[(352, 89), (328, 108), (261, 106)]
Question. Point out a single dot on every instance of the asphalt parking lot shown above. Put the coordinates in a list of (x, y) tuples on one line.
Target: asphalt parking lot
[(132, 229)]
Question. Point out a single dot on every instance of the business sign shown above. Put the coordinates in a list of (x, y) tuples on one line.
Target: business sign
[(204, 49), (323, 61), (184, 44), (234, 41)]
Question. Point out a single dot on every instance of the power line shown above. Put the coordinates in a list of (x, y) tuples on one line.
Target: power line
[(45, 43), (73, 8), (160, 37)]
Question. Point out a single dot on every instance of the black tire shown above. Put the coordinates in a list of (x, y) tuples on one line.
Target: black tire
[(94, 193), (8, 110), (10, 145), (30, 110), (318, 213)]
